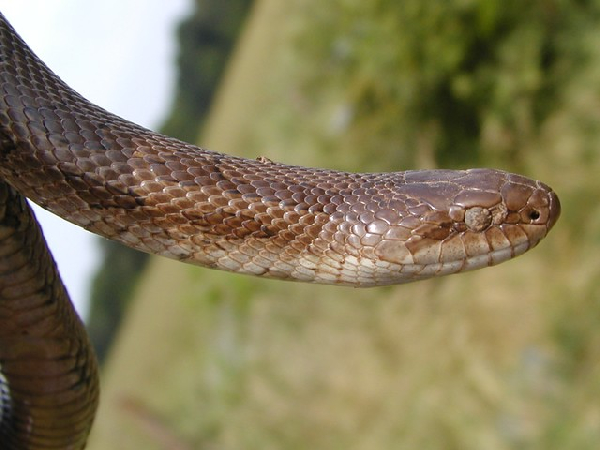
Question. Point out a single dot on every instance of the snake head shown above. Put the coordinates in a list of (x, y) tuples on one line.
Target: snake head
[(473, 219)]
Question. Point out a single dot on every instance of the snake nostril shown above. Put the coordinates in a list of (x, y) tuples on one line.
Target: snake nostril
[(534, 215)]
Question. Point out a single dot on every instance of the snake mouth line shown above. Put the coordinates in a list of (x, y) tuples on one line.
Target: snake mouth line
[(496, 256), (418, 271), (415, 272)]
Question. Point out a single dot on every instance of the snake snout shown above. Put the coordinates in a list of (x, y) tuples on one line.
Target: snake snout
[(542, 207), (553, 207), (532, 210)]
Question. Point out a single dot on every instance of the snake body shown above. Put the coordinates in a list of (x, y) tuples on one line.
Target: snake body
[(163, 196), (48, 370)]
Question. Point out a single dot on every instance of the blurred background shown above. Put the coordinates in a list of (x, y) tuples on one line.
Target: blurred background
[(504, 358)]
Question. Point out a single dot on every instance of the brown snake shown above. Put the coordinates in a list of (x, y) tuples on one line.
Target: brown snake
[(162, 196)]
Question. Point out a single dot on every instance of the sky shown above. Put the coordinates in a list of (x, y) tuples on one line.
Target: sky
[(118, 54)]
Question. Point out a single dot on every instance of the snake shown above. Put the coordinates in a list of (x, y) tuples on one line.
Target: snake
[(160, 195)]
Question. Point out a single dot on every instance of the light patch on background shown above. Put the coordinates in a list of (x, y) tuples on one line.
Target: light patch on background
[(119, 55)]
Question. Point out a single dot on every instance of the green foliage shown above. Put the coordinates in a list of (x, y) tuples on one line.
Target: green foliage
[(475, 79), (111, 287), (206, 40)]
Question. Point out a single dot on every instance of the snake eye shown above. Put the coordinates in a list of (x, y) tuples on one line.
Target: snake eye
[(534, 215)]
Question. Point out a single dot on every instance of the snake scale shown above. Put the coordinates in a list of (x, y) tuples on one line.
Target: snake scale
[(163, 196)]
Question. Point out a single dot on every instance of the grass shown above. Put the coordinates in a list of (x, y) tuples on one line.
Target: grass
[(505, 358)]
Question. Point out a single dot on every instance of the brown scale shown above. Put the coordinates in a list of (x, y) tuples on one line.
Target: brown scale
[(45, 357)]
